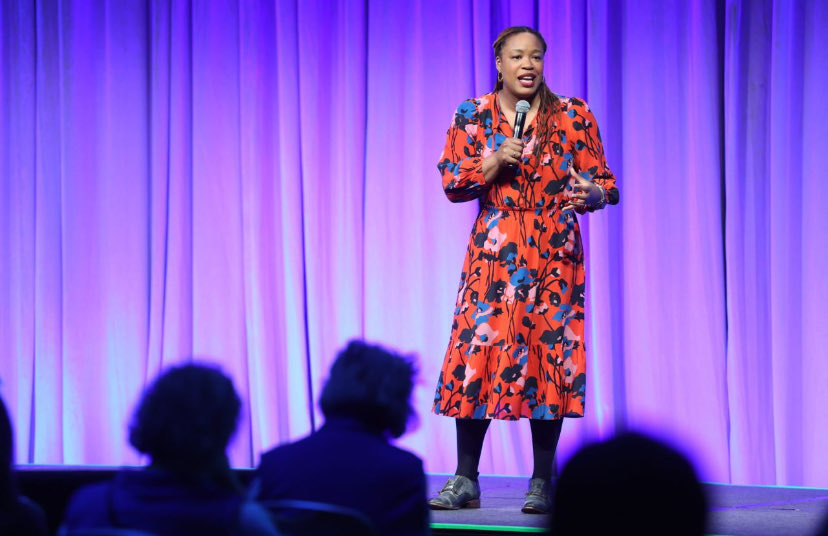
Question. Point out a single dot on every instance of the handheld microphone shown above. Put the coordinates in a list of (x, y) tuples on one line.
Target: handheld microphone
[(521, 109)]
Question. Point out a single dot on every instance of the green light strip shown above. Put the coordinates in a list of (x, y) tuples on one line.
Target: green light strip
[(486, 528), (500, 528), (763, 486)]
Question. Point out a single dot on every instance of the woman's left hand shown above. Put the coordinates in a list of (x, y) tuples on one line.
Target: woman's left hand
[(584, 193)]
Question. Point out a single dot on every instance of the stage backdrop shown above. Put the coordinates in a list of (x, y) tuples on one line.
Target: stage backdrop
[(254, 183)]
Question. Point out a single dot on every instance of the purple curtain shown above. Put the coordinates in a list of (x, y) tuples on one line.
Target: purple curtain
[(254, 183), (776, 127)]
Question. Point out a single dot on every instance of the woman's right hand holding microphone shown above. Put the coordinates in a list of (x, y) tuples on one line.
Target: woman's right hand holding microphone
[(508, 155)]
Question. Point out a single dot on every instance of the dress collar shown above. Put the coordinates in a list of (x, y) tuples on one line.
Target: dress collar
[(502, 125)]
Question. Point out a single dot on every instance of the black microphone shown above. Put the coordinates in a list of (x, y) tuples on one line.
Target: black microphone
[(521, 108)]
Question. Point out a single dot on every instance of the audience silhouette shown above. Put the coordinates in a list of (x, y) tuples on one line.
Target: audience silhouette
[(18, 515), (630, 484), (184, 423), (822, 530), (349, 461)]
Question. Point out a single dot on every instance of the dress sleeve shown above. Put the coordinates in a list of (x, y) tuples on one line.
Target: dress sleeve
[(587, 149), (461, 163)]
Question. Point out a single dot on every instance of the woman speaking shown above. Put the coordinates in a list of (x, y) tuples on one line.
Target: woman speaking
[(534, 159)]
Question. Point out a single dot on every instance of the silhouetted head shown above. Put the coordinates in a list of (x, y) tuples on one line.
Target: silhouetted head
[(186, 419), (628, 484), (822, 530), (8, 491), (372, 385)]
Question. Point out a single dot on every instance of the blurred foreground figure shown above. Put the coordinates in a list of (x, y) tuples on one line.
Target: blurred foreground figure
[(823, 528), (18, 515), (349, 462), (184, 423), (630, 484)]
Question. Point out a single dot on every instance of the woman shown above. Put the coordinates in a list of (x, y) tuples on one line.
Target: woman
[(18, 515), (184, 423), (516, 347)]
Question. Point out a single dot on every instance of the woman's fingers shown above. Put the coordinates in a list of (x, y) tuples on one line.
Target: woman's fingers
[(577, 199), (512, 144), (512, 151), (581, 186), (572, 202)]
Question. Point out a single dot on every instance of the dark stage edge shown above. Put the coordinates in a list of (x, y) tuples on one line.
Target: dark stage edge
[(735, 510)]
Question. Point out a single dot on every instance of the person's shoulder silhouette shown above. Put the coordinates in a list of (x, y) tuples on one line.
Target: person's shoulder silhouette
[(18, 515)]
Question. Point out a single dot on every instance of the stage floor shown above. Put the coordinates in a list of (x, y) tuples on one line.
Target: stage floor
[(736, 510)]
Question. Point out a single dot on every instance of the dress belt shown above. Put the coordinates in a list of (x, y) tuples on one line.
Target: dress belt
[(511, 209)]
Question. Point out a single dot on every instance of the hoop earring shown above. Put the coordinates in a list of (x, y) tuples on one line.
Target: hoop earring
[(499, 76)]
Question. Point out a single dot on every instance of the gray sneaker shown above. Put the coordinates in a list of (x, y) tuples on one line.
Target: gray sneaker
[(538, 498), (459, 492)]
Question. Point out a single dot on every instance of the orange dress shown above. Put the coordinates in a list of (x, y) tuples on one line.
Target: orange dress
[(517, 339)]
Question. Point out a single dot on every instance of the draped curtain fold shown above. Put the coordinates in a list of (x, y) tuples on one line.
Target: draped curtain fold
[(254, 183), (776, 123)]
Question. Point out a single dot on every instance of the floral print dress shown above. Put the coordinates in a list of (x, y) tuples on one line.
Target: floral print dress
[(517, 339)]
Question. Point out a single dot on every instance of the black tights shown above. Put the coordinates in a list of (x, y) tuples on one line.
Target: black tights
[(471, 432)]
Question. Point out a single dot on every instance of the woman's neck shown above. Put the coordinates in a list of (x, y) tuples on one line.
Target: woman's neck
[(508, 101)]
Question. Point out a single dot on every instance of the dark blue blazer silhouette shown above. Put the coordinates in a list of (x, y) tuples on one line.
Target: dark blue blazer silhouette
[(349, 464), (154, 501)]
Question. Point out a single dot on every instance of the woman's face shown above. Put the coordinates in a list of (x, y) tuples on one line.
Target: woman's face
[(521, 63)]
